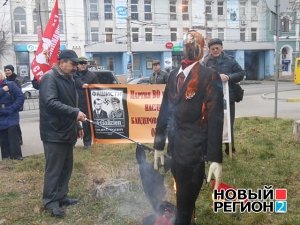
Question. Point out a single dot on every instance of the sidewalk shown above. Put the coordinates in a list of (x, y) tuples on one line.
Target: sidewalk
[(284, 96)]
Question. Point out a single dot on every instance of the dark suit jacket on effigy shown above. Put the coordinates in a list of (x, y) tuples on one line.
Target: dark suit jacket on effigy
[(194, 126)]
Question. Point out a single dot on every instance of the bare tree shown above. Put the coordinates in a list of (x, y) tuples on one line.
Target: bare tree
[(4, 46)]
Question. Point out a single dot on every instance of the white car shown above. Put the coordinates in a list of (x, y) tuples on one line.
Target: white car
[(29, 91)]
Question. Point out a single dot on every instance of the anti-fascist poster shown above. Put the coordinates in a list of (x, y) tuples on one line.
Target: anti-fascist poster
[(132, 111)]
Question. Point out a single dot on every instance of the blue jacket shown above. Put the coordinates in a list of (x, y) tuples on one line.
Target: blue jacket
[(10, 104)]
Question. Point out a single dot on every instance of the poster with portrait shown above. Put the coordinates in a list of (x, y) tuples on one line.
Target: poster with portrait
[(109, 112), (132, 110), (226, 125), (233, 14)]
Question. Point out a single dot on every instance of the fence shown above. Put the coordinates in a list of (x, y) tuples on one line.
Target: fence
[(31, 104)]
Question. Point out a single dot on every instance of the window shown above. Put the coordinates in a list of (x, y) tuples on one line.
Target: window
[(243, 34), (185, 10), (173, 34), (20, 21), (135, 34), (147, 7), (221, 33), (220, 8), (61, 21), (208, 10), (34, 19), (173, 10), (107, 10), (108, 34), (208, 33), (253, 34), (95, 34), (94, 10), (134, 10), (254, 10), (285, 24), (110, 63), (148, 34), (243, 10)]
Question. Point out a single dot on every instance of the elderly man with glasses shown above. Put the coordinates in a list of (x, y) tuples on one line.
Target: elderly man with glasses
[(83, 77)]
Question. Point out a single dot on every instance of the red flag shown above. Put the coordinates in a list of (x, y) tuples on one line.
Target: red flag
[(47, 52)]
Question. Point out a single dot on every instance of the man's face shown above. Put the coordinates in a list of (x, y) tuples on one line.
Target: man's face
[(98, 105), (215, 50), (68, 67), (8, 72), (156, 67), (82, 66), (116, 106)]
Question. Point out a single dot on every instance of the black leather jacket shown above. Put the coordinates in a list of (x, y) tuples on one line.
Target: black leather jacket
[(227, 65), (58, 107)]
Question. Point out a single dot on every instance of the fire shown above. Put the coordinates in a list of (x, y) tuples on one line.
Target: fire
[(174, 185)]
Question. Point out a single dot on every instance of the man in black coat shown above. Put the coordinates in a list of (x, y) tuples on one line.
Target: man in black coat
[(230, 71), (59, 129), (83, 77), (192, 116), (159, 76)]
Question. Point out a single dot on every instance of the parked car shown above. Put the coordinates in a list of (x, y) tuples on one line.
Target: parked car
[(105, 76), (141, 80), (29, 91)]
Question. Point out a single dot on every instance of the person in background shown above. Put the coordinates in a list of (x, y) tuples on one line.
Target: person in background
[(230, 71), (12, 76), (35, 83), (83, 77), (158, 76), (11, 100), (60, 127), (191, 115)]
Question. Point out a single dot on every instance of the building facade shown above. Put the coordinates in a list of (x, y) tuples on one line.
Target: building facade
[(128, 41)]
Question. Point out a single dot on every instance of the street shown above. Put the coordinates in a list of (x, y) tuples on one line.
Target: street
[(252, 105)]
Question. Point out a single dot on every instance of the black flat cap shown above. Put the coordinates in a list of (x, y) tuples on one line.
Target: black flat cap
[(69, 54), (215, 41), (154, 62)]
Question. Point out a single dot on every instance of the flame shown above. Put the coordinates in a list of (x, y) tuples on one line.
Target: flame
[(174, 185)]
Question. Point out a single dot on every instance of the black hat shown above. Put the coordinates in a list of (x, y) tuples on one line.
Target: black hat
[(114, 99), (10, 67), (215, 41), (155, 62), (69, 54)]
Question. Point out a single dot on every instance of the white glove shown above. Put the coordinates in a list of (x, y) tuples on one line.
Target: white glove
[(158, 155), (215, 169)]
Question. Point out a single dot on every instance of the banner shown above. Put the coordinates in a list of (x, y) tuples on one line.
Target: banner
[(226, 125), (233, 14), (48, 49), (132, 111)]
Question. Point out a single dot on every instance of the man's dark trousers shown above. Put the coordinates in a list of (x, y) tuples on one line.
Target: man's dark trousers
[(58, 170), (189, 179), (87, 138)]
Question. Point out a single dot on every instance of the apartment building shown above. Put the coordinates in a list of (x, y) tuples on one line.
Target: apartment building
[(127, 43)]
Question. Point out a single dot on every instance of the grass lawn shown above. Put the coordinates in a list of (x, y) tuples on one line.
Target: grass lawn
[(266, 155)]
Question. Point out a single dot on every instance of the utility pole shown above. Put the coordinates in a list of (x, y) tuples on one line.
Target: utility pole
[(277, 55), (42, 12), (129, 47)]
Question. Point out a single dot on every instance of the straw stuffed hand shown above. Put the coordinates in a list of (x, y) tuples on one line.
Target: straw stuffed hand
[(216, 170), (158, 154)]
